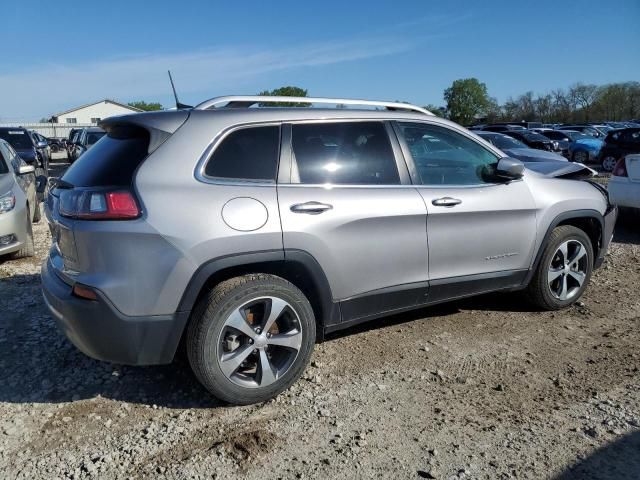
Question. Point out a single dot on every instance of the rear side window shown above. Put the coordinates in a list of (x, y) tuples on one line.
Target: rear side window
[(112, 161), (247, 154), (349, 153)]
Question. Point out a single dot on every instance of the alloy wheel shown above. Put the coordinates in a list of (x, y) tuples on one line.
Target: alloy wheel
[(568, 270), (609, 163), (259, 342), (580, 157)]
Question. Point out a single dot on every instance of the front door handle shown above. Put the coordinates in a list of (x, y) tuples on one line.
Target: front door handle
[(446, 202), (312, 208)]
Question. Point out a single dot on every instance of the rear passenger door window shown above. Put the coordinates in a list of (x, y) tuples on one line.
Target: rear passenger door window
[(246, 154), (343, 153)]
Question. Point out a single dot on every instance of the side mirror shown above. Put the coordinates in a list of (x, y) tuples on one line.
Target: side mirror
[(25, 169), (42, 144), (509, 168)]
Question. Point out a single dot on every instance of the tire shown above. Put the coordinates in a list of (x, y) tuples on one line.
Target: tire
[(609, 163), (548, 294), (214, 346), (580, 157), (28, 249), (37, 214)]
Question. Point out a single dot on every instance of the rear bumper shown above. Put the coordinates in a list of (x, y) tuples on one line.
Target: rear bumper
[(100, 331), (609, 218)]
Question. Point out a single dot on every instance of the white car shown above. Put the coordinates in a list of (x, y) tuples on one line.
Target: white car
[(624, 185)]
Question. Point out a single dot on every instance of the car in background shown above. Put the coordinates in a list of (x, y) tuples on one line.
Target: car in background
[(502, 127), (558, 136), (586, 129), (22, 142), (624, 184), (617, 144), (583, 148), (42, 146), (70, 139), (19, 205), (86, 139), (533, 139)]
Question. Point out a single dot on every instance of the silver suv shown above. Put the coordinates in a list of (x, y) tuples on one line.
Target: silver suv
[(248, 233)]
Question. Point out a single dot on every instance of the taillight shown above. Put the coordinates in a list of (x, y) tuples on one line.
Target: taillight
[(620, 170), (98, 204)]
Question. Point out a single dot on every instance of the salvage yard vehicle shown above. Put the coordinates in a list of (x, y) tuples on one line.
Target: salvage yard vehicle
[(617, 144), (248, 233), (19, 206), (23, 142), (86, 139), (624, 184)]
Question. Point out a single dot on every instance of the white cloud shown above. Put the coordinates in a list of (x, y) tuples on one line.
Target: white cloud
[(46, 89)]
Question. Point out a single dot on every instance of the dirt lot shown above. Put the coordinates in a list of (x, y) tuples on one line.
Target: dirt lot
[(484, 388)]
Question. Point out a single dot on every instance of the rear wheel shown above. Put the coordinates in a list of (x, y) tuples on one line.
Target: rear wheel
[(564, 269), (250, 338), (609, 163)]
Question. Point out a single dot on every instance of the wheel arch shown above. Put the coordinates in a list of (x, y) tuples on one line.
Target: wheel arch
[(296, 266), (589, 221)]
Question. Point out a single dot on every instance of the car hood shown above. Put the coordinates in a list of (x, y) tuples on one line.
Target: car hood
[(533, 155), (555, 169), (6, 182), (591, 143)]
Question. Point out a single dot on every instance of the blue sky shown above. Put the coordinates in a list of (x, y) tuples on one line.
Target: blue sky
[(57, 55)]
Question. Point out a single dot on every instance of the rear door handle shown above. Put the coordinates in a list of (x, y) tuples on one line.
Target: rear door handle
[(446, 202), (312, 208)]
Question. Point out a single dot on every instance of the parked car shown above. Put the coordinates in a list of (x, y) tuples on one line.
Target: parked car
[(558, 136), (55, 144), (86, 139), (617, 144), (502, 128), (586, 129), (251, 232), (533, 139), (69, 144), (624, 184), (23, 143), (42, 146), (19, 206), (583, 148)]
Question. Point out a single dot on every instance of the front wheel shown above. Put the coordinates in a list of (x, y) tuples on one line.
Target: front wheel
[(251, 338), (580, 157), (564, 270)]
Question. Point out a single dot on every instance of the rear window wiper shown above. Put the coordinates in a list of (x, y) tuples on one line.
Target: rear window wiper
[(59, 183)]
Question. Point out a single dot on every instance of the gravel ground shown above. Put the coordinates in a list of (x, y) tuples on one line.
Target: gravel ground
[(483, 388)]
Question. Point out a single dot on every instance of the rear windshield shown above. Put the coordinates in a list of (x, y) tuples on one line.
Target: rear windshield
[(112, 160), (18, 139)]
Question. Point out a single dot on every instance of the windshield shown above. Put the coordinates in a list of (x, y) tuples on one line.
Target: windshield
[(576, 135), (18, 139), (504, 142)]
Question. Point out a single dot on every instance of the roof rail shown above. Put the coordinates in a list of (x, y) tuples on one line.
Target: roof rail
[(246, 101)]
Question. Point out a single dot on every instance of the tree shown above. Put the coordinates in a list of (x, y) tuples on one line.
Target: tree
[(288, 91), (438, 111), (147, 107), (467, 99), (584, 95)]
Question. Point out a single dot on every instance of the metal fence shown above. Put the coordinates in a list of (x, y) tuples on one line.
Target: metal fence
[(50, 130)]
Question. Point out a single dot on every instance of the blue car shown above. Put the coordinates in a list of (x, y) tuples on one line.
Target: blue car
[(583, 148)]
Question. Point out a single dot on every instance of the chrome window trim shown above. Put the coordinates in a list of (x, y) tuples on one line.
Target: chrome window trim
[(206, 155)]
